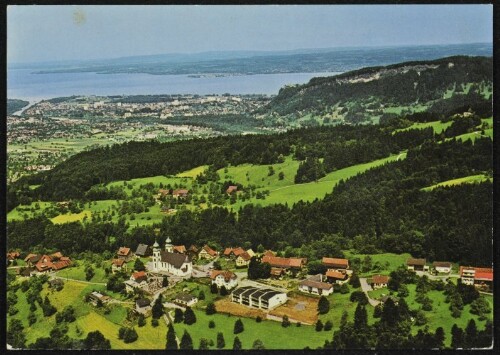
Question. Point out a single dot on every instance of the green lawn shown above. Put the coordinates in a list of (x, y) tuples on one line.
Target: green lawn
[(472, 136), (388, 261), (438, 126), (272, 334), (71, 217), (78, 273), (472, 179)]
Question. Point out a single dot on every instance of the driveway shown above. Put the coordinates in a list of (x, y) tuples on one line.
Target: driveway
[(366, 287)]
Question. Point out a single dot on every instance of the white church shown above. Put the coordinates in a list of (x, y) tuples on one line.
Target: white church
[(167, 261)]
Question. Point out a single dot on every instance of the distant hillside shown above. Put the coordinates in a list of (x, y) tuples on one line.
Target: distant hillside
[(365, 94), (15, 105)]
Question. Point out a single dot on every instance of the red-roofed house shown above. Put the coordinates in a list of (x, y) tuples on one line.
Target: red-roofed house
[(335, 276), (118, 265), (379, 281), (13, 255), (288, 264), (207, 253), (477, 276), (47, 263), (139, 276), (233, 252), (243, 259), (180, 193), (226, 278), (335, 263), (124, 253), (181, 249)]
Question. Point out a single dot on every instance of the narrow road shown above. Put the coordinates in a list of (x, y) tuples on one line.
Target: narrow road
[(366, 287)]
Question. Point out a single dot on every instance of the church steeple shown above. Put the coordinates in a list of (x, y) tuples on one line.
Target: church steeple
[(168, 245)]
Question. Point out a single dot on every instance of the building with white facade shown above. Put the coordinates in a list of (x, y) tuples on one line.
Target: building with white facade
[(263, 298), (167, 261), (226, 278)]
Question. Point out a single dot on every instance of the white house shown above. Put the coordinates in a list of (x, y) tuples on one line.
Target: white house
[(316, 286), (243, 259), (170, 262), (379, 281), (226, 278), (442, 267), (263, 298), (185, 299), (143, 305)]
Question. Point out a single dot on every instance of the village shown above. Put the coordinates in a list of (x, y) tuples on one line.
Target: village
[(245, 283)]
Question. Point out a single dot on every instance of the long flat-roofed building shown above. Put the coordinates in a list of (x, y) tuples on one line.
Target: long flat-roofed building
[(263, 298)]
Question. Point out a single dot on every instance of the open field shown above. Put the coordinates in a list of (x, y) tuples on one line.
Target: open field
[(388, 262), (472, 179), (438, 126), (271, 333), (71, 217), (299, 307)]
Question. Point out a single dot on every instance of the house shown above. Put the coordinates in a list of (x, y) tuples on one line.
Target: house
[(207, 253), (124, 253), (32, 259), (268, 253), (231, 189), (379, 281), (335, 263), (251, 252), (180, 193), (315, 285), (118, 265), (192, 252), (243, 259), (143, 250), (233, 252), (277, 272), (335, 276), (417, 264), (138, 279), (25, 271), (185, 299), (163, 192), (48, 263), (263, 298), (443, 267), (477, 276), (226, 278), (288, 264), (181, 249), (142, 305), (96, 297), (170, 262), (13, 255)]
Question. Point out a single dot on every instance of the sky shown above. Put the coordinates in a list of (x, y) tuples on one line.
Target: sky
[(38, 33)]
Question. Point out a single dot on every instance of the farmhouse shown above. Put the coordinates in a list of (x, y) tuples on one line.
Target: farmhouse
[(477, 276), (207, 253), (335, 263), (118, 265), (417, 264), (170, 262), (233, 252), (288, 264), (52, 262), (180, 193), (142, 305), (185, 299), (379, 281), (442, 267), (124, 253), (32, 259), (277, 272), (96, 297), (137, 280), (243, 259), (226, 278), (315, 285), (13, 255), (334, 276), (263, 298), (143, 250)]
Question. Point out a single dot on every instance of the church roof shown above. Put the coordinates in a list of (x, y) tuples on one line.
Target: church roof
[(174, 259)]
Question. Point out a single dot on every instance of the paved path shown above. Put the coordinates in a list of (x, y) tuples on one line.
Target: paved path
[(366, 287)]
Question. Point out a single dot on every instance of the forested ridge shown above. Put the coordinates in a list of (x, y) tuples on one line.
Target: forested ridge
[(399, 84)]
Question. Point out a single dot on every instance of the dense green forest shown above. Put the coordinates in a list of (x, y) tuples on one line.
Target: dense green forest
[(14, 105), (367, 91)]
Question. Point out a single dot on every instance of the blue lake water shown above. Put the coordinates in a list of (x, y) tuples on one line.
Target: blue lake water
[(23, 84)]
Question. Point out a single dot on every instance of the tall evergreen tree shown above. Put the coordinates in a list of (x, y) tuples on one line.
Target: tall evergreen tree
[(186, 342), (238, 326), (171, 339), (457, 337), (189, 316), (237, 343), (221, 343), (323, 305)]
